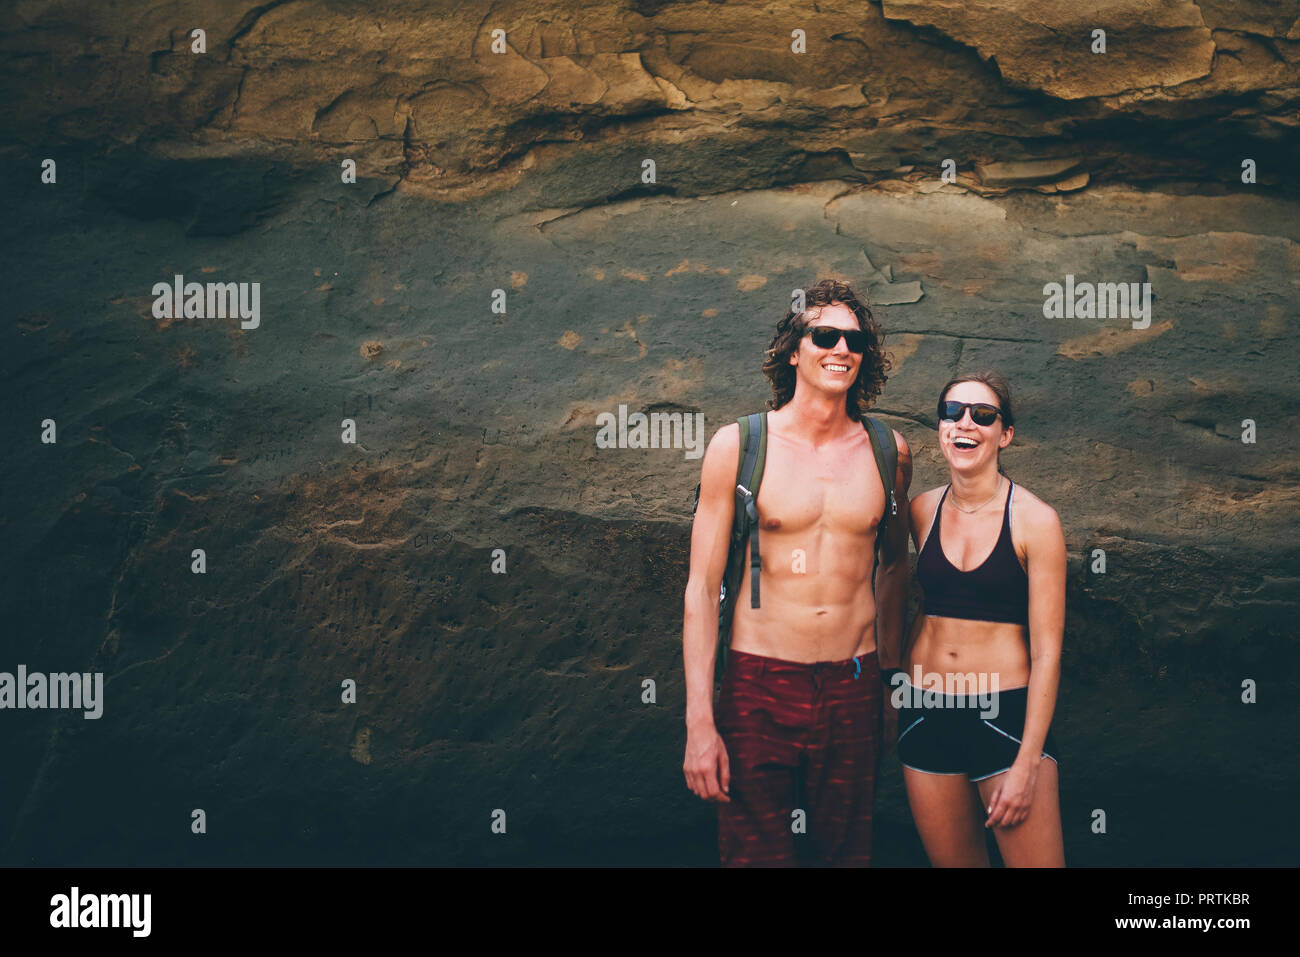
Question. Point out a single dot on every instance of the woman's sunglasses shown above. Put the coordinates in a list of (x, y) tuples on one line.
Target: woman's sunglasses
[(826, 337), (981, 413)]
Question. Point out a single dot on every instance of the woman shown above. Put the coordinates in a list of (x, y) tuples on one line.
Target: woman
[(977, 750)]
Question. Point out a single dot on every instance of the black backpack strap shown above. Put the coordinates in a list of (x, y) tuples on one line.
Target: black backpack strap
[(744, 524), (753, 429), (885, 450)]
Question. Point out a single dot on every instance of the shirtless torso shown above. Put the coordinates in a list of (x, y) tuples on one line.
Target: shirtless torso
[(818, 508)]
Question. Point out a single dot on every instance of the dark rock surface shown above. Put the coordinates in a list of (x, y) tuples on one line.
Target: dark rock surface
[(476, 430)]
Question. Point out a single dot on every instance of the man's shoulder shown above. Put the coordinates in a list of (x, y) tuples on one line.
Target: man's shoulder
[(727, 438), (899, 440), (903, 451)]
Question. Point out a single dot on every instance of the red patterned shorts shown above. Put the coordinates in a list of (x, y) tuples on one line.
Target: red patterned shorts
[(799, 737)]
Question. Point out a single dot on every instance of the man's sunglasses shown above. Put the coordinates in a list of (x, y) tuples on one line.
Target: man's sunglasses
[(981, 413), (827, 337)]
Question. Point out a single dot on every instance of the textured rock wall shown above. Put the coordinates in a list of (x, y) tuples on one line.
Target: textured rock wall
[(521, 171)]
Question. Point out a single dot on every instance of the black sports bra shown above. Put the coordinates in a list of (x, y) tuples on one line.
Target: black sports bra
[(996, 591)]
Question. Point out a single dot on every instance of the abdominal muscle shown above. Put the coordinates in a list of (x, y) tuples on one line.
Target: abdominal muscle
[(956, 646), (825, 613)]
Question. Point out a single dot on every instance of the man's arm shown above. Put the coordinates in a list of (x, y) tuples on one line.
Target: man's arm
[(892, 573), (706, 767)]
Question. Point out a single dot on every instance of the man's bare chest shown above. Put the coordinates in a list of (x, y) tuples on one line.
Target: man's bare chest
[(834, 489)]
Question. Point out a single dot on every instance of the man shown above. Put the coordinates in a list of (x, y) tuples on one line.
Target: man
[(791, 754)]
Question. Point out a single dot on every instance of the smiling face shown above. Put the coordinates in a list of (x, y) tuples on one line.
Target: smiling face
[(828, 370), (969, 447)]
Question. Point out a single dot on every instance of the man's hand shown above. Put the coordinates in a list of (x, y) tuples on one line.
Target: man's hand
[(708, 772)]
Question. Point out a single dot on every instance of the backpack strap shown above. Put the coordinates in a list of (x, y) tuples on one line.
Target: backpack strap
[(885, 450), (749, 475), (744, 524)]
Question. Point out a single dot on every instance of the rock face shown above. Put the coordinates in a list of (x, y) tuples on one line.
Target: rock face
[(520, 178), (1073, 52)]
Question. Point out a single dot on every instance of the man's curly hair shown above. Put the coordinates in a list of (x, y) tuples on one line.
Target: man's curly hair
[(789, 333)]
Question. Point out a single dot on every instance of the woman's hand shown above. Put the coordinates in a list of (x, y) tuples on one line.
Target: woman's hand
[(1013, 796)]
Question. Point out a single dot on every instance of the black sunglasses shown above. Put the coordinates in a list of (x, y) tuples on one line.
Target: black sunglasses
[(981, 413), (827, 337)]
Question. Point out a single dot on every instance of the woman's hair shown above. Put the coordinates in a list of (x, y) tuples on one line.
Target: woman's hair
[(789, 332), (1001, 388)]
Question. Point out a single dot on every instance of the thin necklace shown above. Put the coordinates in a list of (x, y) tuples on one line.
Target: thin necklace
[(996, 489)]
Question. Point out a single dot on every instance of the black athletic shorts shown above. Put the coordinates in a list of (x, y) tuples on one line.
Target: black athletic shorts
[(963, 734)]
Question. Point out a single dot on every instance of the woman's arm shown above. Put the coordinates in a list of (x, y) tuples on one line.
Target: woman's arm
[(1046, 570), (1045, 560)]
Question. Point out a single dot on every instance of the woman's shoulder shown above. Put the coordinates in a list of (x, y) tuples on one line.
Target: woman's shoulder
[(1033, 511)]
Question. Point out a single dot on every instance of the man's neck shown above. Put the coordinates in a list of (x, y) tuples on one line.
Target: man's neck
[(815, 417)]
